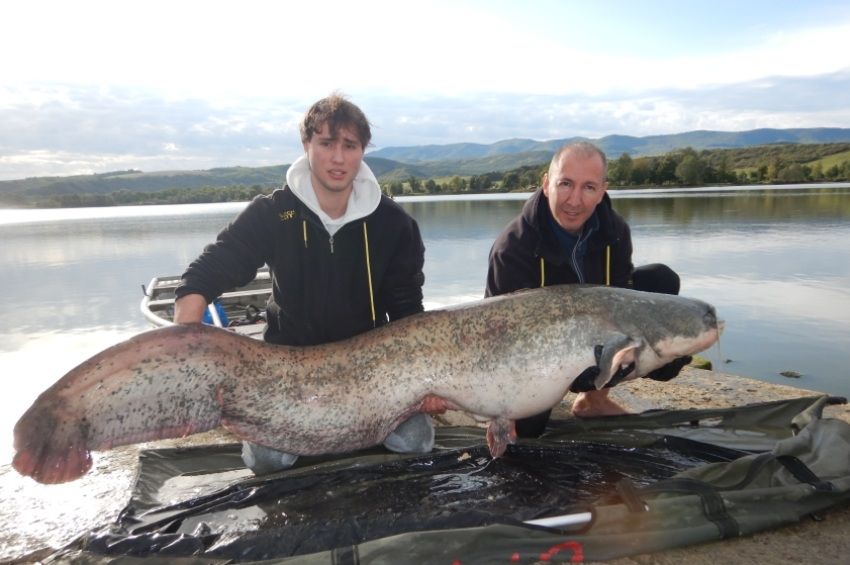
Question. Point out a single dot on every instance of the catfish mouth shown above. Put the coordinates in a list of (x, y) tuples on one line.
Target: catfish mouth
[(707, 337), (712, 327), (713, 323), (683, 345), (710, 320)]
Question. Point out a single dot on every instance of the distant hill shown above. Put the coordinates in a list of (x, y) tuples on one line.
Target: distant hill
[(451, 167), (427, 161), (489, 164), (389, 170), (137, 181), (616, 145), (465, 151)]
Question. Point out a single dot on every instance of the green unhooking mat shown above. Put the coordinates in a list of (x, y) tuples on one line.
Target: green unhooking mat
[(589, 490)]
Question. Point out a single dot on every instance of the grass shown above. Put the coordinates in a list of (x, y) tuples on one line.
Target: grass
[(836, 159)]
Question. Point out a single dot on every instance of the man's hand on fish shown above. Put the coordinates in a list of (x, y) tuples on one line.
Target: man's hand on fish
[(669, 371)]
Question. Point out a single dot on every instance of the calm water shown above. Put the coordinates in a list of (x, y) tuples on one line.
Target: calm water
[(775, 263)]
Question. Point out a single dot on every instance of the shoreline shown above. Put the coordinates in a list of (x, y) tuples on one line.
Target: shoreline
[(615, 190), (32, 526)]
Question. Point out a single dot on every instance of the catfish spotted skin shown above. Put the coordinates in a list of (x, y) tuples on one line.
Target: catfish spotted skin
[(499, 359)]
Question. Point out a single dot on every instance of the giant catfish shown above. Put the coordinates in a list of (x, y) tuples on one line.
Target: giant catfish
[(498, 359)]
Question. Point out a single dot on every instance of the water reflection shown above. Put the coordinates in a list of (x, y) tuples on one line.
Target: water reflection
[(458, 236), (772, 206)]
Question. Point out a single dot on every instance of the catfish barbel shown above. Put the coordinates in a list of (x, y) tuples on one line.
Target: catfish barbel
[(499, 359)]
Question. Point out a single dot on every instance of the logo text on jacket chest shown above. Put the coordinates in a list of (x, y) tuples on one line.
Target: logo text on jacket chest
[(286, 215)]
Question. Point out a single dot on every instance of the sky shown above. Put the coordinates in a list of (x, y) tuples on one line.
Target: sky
[(90, 86)]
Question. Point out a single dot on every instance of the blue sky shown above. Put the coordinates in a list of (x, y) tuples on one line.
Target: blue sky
[(95, 86)]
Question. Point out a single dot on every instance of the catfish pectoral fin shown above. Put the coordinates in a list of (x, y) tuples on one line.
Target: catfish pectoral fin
[(616, 353)]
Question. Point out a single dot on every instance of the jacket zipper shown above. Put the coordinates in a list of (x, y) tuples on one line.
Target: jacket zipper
[(573, 258)]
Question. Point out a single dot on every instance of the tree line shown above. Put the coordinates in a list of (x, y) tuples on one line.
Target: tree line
[(780, 163), (523, 178), (124, 197), (783, 163)]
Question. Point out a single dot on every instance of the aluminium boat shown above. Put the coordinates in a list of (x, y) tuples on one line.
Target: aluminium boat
[(240, 309)]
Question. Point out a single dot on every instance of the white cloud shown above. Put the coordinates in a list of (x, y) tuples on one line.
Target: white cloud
[(99, 84), (98, 129), (215, 49)]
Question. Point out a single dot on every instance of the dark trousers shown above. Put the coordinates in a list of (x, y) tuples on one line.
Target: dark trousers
[(656, 277)]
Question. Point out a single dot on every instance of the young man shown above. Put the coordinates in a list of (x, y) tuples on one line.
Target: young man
[(343, 258), (568, 232)]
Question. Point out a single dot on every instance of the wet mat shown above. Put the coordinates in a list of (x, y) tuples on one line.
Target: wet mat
[(646, 482), (202, 500)]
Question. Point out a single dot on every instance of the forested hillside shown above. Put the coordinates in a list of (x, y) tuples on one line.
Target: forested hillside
[(782, 163)]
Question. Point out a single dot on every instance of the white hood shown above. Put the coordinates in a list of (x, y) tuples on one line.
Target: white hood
[(363, 200)]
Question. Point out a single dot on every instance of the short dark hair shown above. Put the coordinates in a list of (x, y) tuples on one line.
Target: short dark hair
[(335, 111), (585, 148)]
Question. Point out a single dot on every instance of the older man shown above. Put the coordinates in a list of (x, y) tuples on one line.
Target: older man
[(568, 232)]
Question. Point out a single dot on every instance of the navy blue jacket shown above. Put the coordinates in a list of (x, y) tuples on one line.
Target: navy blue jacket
[(527, 254)]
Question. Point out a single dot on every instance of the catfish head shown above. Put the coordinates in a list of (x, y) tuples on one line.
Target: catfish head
[(651, 331)]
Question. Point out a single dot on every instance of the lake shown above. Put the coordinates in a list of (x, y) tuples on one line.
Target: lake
[(775, 262)]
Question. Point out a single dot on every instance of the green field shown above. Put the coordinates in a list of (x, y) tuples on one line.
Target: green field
[(836, 159)]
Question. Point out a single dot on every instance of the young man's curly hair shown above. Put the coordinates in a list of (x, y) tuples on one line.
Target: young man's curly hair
[(335, 111)]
